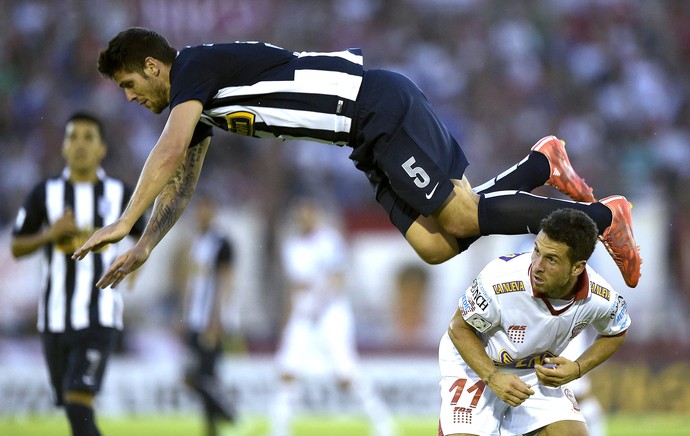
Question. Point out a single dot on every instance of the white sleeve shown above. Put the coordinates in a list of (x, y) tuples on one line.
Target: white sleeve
[(478, 308), (617, 319)]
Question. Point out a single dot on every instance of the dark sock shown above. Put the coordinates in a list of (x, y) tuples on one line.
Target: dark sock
[(81, 419), (517, 213), (464, 243), (532, 172), (214, 401)]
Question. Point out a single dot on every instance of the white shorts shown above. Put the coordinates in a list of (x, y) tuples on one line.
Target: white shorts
[(468, 406), (323, 346)]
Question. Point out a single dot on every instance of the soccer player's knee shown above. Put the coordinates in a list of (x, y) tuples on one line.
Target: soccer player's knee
[(434, 254), (460, 229), (459, 219)]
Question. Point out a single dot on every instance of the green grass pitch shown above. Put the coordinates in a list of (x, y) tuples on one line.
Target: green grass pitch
[(56, 425)]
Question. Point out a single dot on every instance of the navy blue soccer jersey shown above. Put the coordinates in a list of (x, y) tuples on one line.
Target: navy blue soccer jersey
[(260, 90)]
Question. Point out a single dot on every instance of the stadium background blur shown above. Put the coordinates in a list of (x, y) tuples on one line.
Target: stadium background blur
[(609, 76)]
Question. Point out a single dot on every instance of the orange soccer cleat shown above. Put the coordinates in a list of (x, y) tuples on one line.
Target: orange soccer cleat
[(619, 240), (563, 176)]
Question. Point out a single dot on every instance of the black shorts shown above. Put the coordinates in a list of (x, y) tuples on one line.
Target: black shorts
[(403, 147), (76, 360), (204, 357)]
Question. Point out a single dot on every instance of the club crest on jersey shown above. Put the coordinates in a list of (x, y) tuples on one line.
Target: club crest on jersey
[(504, 288), (104, 207), (578, 328), (571, 396), (241, 123)]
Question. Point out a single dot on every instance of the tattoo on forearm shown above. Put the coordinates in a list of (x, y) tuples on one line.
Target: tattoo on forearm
[(173, 199)]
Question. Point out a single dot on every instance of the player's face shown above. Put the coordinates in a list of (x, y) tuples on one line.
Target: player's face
[(553, 275), (83, 147), (145, 88)]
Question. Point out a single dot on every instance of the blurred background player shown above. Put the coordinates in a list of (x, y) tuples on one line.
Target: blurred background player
[(79, 322), (319, 336), (209, 279), (410, 326)]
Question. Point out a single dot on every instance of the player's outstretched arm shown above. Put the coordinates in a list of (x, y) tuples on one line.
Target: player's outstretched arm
[(168, 208), (165, 158)]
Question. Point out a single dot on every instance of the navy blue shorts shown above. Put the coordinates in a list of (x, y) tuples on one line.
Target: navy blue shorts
[(204, 358), (403, 147), (76, 360)]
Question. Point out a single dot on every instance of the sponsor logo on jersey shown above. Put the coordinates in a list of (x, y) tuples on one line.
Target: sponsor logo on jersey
[(622, 307), (462, 415), (479, 296), (241, 123), (516, 333), (505, 359), (507, 257), (466, 306), (504, 288), (599, 290)]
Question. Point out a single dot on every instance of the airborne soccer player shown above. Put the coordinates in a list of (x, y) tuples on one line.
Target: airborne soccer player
[(414, 164)]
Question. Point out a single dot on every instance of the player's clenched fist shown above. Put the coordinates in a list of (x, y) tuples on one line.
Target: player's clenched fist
[(510, 388)]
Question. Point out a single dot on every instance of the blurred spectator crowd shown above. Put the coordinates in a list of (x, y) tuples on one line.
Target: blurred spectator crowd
[(609, 76)]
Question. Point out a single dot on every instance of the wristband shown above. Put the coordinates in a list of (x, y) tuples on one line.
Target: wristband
[(579, 371)]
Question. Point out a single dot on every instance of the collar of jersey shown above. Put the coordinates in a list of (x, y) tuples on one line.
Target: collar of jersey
[(100, 173), (582, 290)]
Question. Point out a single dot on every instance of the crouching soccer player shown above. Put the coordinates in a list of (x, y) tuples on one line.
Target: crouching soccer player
[(501, 369)]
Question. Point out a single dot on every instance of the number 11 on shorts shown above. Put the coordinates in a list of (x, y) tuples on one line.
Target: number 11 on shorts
[(459, 387)]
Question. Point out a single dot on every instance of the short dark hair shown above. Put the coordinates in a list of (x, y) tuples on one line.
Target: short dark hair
[(86, 116), (128, 50), (573, 228)]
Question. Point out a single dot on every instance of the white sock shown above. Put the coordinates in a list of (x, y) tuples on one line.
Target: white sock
[(374, 408), (282, 409)]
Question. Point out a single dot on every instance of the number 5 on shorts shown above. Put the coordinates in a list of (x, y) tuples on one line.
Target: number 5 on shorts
[(421, 177)]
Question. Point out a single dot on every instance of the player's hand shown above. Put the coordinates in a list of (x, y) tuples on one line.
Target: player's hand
[(64, 227), (123, 265), (102, 237), (510, 388), (556, 371)]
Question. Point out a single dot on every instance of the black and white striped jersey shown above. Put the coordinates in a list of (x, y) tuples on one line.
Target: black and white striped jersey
[(260, 90), (71, 300), (209, 252)]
